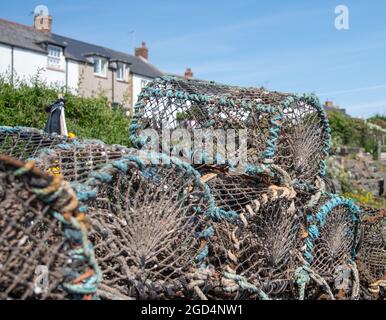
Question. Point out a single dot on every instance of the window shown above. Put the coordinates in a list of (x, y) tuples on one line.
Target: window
[(143, 84), (54, 57), (100, 66), (122, 72)]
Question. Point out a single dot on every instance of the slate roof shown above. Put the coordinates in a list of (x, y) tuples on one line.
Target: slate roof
[(22, 36)]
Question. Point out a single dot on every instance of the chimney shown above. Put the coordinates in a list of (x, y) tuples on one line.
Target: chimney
[(143, 51), (189, 73), (329, 104), (43, 22)]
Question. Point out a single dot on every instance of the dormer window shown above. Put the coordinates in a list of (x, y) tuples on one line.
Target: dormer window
[(100, 66), (55, 55), (122, 71)]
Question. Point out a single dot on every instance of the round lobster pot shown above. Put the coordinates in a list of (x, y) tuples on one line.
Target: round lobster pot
[(76, 160), (254, 238), (371, 258), (148, 227), (44, 252), (23, 142), (333, 230), (277, 129)]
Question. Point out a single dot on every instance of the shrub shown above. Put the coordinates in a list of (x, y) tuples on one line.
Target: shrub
[(347, 131), (366, 198), (24, 104)]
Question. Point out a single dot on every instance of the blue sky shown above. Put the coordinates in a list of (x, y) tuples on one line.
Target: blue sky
[(289, 46)]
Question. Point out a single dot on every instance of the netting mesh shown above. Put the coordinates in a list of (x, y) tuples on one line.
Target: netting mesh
[(38, 238), (330, 248), (286, 129), (372, 254), (234, 191), (334, 245), (23, 142), (251, 247), (304, 140), (254, 256), (148, 229), (78, 159)]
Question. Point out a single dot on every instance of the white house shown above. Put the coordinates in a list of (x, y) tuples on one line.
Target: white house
[(81, 67)]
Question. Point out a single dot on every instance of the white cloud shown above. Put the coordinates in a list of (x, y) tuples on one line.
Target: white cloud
[(355, 90)]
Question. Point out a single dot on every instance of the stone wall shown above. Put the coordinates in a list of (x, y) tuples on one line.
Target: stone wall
[(358, 169)]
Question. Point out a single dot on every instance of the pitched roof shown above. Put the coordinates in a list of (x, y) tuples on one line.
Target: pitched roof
[(78, 50), (23, 36)]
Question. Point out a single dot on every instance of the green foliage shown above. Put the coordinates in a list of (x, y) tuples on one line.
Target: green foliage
[(366, 198), (379, 120), (24, 104), (339, 174), (347, 131)]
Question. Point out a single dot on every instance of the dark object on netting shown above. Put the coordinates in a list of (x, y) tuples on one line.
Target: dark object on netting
[(76, 160), (149, 227), (330, 246), (23, 142), (288, 130), (371, 258), (252, 254), (44, 251), (56, 122)]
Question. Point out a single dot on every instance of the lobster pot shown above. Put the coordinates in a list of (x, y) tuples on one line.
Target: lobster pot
[(78, 159), (148, 228), (371, 259), (333, 229), (24, 142), (43, 254), (253, 242), (275, 128), (170, 103)]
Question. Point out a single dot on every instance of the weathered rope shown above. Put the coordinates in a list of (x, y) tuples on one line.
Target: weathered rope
[(64, 205)]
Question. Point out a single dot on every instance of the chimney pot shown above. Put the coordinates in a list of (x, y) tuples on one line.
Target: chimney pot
[(188, 73), (142, 52), (329, 103)]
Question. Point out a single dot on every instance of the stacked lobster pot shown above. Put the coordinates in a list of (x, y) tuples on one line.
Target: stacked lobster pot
[(279, 232), (147, 230), (249, 217), (25, 142), (145, 215)]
